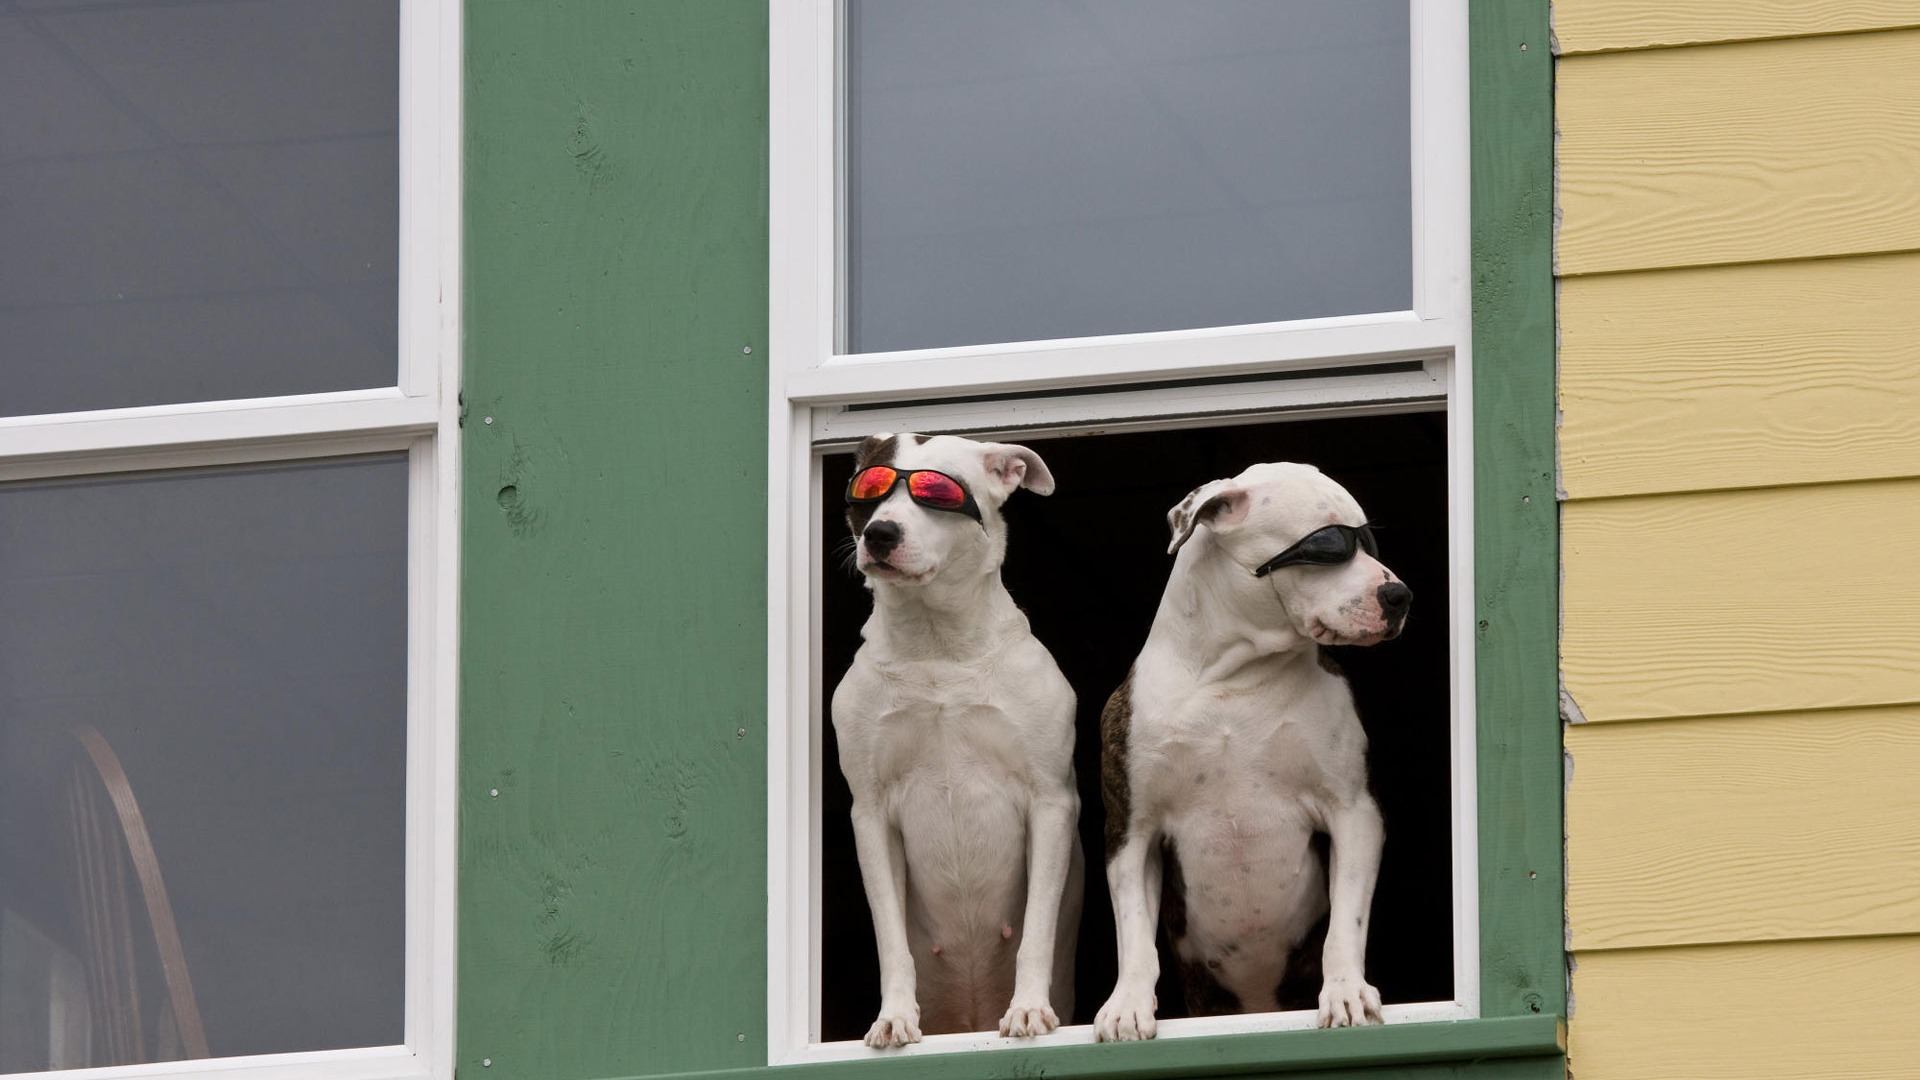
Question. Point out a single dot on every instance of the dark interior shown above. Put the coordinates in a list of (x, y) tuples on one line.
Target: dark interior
[(1088, 565)]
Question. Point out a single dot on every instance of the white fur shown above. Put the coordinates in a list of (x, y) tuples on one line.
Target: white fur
[(1241, 746), (956, 736)]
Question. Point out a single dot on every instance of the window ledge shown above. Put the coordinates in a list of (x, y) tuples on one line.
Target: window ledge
[(1216, 1055)]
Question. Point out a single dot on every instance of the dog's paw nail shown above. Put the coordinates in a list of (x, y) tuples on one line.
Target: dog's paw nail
[(892, 1030), (1348, 1003), (1123, 1023), (1026, 1021)]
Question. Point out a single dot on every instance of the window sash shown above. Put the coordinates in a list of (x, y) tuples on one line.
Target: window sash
[(808, 285), (812, 381), (419, 414)]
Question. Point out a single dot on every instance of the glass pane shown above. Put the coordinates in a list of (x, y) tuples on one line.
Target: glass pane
[(200, 200), (1029, 169), (203, 695)]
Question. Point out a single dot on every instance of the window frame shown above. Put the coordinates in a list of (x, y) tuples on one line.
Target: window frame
[(811, 382), (418, 414)]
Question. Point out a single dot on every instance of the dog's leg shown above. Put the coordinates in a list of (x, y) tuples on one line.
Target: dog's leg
[(883, 869), (1133, 876), (1346, 999), (1050, 836)]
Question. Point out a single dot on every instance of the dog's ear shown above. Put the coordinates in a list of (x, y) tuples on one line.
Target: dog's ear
[(1009, 466), (1219, 504)]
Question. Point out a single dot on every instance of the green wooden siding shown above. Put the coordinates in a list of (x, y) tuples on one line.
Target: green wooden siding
[(612, 893), (612, 905)]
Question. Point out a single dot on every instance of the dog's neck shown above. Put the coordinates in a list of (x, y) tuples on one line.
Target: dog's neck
[(954, 617), (1213, 624)]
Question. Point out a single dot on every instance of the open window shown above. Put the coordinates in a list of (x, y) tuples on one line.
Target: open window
[(227, 538), (1156, 243)]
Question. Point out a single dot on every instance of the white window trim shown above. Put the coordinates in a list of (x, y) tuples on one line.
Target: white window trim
[(811, 381), (420, 415)]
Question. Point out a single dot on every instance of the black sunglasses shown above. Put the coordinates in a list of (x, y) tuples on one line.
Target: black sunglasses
[(1330, 546), (931, 489)]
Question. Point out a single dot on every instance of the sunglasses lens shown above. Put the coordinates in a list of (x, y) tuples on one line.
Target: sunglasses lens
[(1326, 546), (937, 490), (871, 484), (1367, 541)]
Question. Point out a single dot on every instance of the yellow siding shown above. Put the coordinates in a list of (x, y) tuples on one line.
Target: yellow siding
[(1747, 828), (1738, 376), (1744, 601), (1737, 153), (1594, 25), (1740, 452), (1845, 1009)]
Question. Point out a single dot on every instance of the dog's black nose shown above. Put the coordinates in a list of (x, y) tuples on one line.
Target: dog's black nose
[(1395, 599), (881, 537)]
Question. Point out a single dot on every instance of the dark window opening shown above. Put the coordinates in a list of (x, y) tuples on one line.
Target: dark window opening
[(1088, 565)]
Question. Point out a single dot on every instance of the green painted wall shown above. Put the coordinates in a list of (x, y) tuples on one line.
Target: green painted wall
[(1516, 514), (612, 915), (612, 897)]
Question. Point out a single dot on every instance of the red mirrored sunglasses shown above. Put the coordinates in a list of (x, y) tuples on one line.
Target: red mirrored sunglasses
[(933, 490)]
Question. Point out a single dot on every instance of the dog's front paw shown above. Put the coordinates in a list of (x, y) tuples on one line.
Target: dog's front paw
[(1127, 1015), (1031, 1018), (895, 1027), (1348, 1002)]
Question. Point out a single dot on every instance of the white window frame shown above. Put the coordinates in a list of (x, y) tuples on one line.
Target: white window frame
[(418, 415), (1105, 384)]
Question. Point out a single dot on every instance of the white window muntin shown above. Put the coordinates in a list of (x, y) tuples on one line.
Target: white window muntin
[(420, 415), (823, 399)]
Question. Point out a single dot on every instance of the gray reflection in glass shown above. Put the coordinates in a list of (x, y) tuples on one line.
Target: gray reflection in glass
[(201, 201), (1029, 169), (203, 694)]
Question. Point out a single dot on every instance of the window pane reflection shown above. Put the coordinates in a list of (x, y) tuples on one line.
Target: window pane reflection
[(202, 711), (201, 200), (1029, 169)]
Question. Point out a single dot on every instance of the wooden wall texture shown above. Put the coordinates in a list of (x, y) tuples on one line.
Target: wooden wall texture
[(1739, 263)]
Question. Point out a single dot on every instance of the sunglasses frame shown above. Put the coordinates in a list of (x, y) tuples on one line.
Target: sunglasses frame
[(968, 507), (1358, 538)]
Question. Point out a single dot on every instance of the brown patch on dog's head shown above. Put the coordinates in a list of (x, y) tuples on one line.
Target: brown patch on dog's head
[(873, 450), (1217, 503)]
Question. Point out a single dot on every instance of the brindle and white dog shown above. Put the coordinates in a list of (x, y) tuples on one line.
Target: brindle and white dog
[(956, 736), (1233, 743)]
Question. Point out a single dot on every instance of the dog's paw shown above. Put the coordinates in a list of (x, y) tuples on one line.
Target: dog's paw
[(895, 1027), (1033, 1018), (1127, 1015), (1346, 1002)]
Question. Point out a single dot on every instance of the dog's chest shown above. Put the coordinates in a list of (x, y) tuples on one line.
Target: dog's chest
[(1217, 755), (948, 733)]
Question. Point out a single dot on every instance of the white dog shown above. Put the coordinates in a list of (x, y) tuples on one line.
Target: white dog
[(956, 736), (1233, 742)]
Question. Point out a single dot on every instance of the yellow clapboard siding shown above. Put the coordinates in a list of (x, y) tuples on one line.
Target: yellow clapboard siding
[(1750, 828), (1805, 1010), (1735, 376), (1767, 600), (1595, 25), (1739, 153)]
